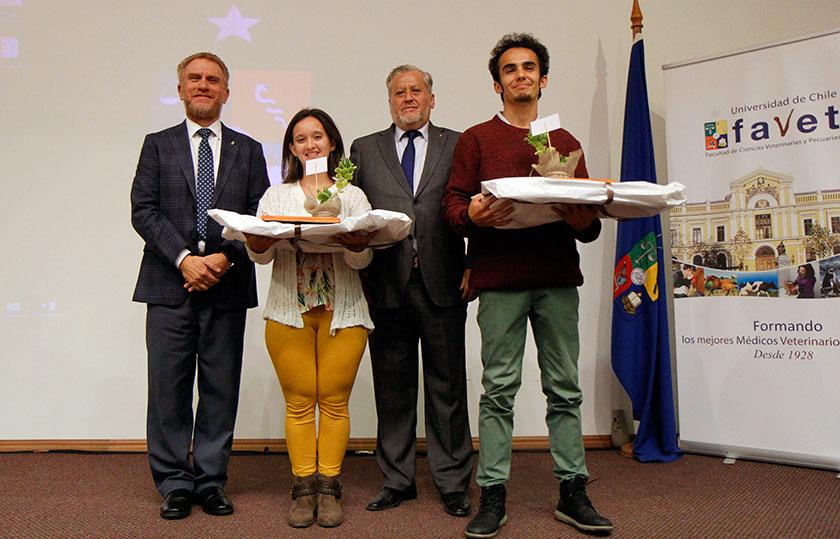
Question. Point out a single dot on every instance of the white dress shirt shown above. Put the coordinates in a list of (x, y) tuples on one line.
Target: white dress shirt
[(215, 142)]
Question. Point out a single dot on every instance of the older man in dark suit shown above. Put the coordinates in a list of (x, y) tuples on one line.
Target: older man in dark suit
[(197, 287), (416, 297)]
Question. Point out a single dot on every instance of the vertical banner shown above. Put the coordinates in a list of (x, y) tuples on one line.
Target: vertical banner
[(755, 137)]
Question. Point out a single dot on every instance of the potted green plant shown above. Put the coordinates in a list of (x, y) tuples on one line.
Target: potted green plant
[(551, 163), (326, 202)]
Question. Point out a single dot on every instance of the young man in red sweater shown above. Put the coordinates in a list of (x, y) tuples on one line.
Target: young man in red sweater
[(520, 275)]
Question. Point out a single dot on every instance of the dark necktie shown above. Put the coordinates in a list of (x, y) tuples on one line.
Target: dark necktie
[(204, 182), (408, 158)]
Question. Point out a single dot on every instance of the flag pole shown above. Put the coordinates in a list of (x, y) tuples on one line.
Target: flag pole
[(636, 28), (636, 19)]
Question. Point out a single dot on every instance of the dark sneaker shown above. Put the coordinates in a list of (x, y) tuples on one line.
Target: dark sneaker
[(575, 508), (491, 513)]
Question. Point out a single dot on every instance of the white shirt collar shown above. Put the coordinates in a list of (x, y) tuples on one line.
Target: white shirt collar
[(215, 127), (424, 131)]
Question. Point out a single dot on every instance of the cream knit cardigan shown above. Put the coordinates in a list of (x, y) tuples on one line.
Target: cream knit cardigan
[(349, 305)]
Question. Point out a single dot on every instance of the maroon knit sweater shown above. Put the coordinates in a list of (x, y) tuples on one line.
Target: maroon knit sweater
[(539, 257)]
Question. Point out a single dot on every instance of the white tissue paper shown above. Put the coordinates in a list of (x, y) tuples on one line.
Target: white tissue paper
[(390, 226), (534, 196)]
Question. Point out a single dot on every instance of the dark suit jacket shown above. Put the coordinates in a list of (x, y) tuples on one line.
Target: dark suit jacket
[(163, 213), (439, 248)]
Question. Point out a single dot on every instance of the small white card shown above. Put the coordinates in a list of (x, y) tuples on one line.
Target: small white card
[(544, 125), (314, 166)]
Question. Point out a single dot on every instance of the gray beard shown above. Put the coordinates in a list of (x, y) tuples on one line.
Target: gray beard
[(408, 119), (199, 113)]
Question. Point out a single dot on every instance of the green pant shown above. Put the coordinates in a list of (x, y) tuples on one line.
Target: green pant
[(502, 318)]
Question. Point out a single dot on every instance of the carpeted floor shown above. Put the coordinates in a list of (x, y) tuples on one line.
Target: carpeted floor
[(71, 495)]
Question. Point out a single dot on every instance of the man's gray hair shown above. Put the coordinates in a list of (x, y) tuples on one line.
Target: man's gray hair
[(427, 77), (207, 56)]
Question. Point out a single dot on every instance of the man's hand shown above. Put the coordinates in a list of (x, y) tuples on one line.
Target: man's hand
[(578, 216), (218, 263), (202, 272), (467, 293), (259, 244), (355, 241), (482, 214)]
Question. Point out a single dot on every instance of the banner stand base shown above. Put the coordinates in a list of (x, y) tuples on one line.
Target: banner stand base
[(731, 454)]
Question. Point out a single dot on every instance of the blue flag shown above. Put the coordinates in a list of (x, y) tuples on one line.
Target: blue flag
[(641, 355)]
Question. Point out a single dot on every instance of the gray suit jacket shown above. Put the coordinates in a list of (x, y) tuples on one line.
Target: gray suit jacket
[(163, 213), (439, 248)]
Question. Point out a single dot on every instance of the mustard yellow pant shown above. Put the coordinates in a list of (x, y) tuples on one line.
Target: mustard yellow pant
[(316, 368)]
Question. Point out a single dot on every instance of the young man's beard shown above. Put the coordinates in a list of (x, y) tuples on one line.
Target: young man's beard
[(523, 98)]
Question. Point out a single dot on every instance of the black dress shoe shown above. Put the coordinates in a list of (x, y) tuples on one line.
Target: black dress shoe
[(214, 501), (391, 497), (456, 504), (177, 504)]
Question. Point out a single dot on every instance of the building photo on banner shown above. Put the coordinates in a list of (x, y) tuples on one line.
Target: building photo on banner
[(755, 137)]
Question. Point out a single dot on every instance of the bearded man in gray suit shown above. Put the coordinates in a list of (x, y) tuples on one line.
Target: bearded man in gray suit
[(416, 298)]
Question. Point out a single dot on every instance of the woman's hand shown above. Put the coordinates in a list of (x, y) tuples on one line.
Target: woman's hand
[(355, 241), (259, 244)]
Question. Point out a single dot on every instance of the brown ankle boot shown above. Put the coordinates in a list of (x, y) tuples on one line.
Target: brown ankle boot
[(330, 510), (304, 493)]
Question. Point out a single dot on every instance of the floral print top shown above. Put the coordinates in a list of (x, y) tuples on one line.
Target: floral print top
[(315, 280)]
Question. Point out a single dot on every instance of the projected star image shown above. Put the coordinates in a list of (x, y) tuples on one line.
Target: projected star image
[(233, 24), (8, 47)]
